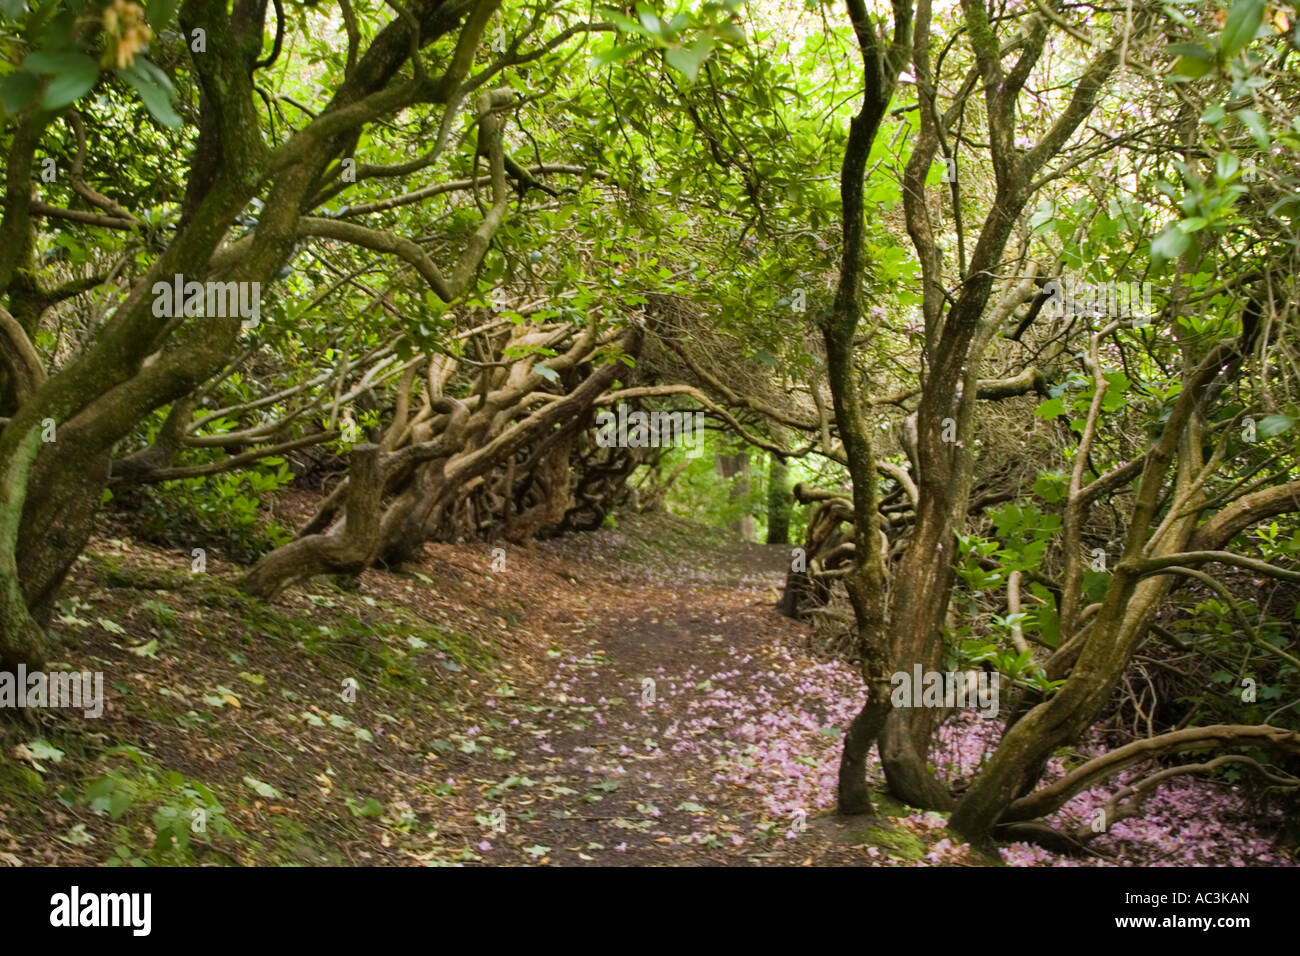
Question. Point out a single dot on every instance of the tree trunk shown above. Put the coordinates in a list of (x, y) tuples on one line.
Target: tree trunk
[(868, 584), (349, 549), (736, 468), (22, 641), (778, 501)]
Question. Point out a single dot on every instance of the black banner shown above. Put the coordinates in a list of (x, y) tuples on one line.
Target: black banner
[(293, 907)]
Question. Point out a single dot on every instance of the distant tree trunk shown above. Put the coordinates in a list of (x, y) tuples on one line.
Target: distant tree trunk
[(737, 467), (778, 502)]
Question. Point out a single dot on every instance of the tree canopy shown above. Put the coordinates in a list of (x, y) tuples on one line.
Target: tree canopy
[(1010, 287)]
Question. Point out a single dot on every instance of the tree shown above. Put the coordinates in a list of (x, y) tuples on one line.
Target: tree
[(960, 322)]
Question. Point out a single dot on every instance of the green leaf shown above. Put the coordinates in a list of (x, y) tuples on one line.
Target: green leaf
[(1191, 68), (119, 802), (1240, 27), (75, 76), (18, 91), (1045, 615), (78, 836), (1271, 425), (1171, 243), (731, 33), (43, 750), (548, 373), (1226, 166), (1195, 50), (160, 12), (649, 19), (684, 61), (1044, 216), (1050, 409), (156, 98), (1251, 120), (612, 54), (1118, 384), (262, 789), (1194, 62), (371, 808), (1050, 486), (13, 9), (51, 63)]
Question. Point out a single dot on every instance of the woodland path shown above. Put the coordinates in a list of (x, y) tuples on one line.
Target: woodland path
[(502, 717), (702, 766)]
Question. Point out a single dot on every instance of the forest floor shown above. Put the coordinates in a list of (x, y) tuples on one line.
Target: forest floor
[(626, 697)]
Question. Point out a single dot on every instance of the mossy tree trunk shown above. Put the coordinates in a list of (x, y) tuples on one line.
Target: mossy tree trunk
[(779, 502), (51, 492)]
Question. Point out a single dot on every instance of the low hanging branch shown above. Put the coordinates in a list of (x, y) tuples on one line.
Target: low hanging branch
[(349, 549), (1055, 795), (1128, 802)]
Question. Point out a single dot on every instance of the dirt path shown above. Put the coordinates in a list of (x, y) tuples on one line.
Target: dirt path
[(657, 733)]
